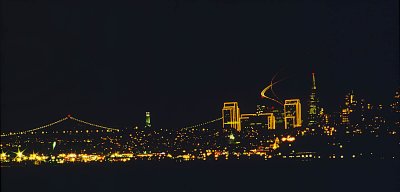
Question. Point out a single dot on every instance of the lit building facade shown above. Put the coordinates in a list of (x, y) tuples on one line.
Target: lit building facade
[(274, 113), (231, 116), (313, 105), (292, 113), (279, 116), (350, 105), (262, 109), (263, 120), (344, 115), (147, 124), (270, 120)]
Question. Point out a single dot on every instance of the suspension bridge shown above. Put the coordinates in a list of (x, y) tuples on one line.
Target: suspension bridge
[(107, 128)]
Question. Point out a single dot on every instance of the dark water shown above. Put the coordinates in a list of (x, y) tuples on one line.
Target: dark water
[(207, 176)]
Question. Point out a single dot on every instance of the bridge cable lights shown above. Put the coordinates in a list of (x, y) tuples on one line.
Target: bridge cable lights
[(92, 124), (203, 123), (36, 129), (57, 122)]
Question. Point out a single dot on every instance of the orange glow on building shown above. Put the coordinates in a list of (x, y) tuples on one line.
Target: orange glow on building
[(268, 118), (231, 116), (292, 112)]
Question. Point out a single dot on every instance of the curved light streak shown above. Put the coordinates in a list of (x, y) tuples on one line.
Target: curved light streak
[(272, 90), (269, 87)]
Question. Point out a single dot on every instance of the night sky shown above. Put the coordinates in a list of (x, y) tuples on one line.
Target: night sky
[(110, 62)]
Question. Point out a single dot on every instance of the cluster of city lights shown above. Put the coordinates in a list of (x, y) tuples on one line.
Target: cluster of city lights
[(288, 138), (241, 136)]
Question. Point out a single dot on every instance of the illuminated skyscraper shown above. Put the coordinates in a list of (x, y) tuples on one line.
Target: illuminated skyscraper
[(279, 116), (345, 116), (350, 105), (313, 105), (270, 118), (261, 109), (147, 120), (231, 116), (292, 111), (275, 115), (263, 120)]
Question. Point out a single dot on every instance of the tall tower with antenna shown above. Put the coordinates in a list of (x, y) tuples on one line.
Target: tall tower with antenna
[(313, 105)]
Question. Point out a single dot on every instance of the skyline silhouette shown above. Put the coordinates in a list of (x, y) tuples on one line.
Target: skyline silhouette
[(112, 62)]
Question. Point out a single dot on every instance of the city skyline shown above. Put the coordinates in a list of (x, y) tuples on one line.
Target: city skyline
[(179, 95), (262, 130), (262, 102), (258, 132), (290, 109), (163, 59)]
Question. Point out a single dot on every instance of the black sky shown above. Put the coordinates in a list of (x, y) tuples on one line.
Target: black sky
[(109, 62)]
